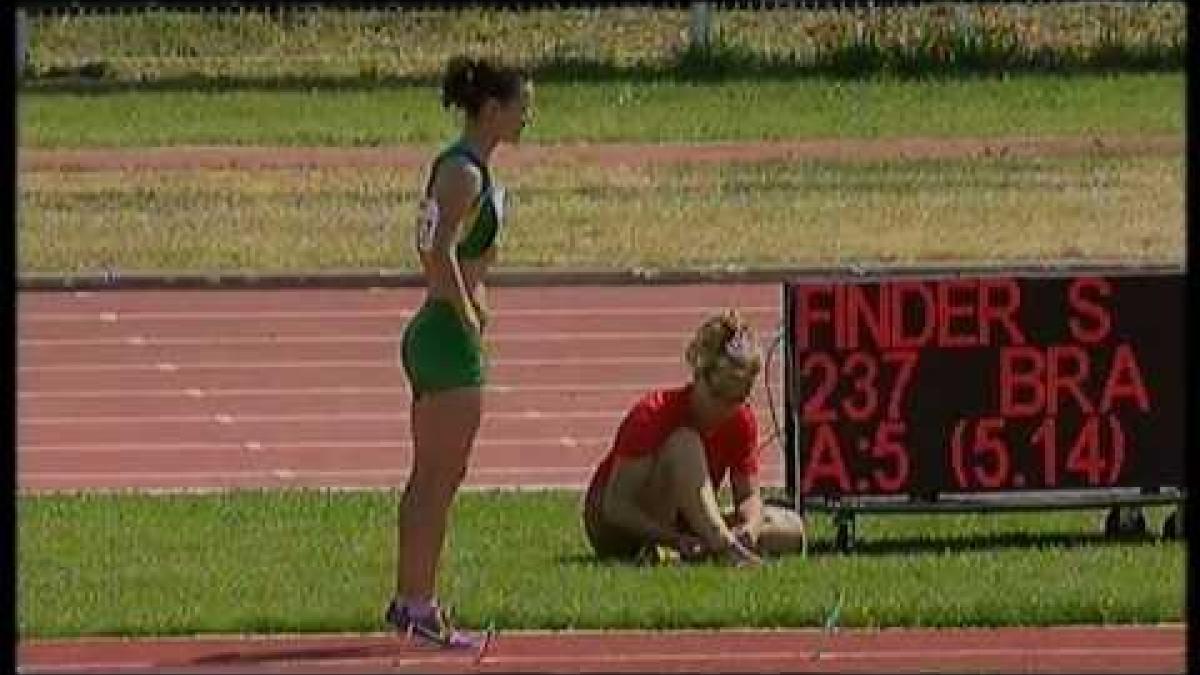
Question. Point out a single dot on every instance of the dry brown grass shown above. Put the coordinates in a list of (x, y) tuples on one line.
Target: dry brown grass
[(679, 216)]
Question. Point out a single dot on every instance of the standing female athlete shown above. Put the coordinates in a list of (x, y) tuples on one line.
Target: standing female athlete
[(657, 485), (442, 350)]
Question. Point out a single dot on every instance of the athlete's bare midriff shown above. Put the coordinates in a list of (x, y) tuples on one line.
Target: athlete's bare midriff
[(474, 271)]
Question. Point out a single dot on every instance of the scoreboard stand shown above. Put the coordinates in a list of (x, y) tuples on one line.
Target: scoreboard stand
[(922, 391), (1124, 518)]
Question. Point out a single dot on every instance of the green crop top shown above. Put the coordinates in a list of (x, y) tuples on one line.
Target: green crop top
[(487, 211)]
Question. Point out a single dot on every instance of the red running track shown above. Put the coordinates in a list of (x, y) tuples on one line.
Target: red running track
[(225, 389), (286, 388), (1054, 650)]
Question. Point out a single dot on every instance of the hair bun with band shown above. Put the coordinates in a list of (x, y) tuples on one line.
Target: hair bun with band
[(740, 345)]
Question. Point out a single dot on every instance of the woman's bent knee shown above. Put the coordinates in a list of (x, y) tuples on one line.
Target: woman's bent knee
[(684, 438), (683, 454), (607, 539)]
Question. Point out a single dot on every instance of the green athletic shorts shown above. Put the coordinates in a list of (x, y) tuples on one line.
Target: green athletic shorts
[(439, 351)]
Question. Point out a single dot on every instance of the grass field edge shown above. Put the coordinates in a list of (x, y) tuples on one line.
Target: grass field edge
[(518, 277)]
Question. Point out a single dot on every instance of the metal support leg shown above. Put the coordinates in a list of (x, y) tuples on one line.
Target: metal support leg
[(843, 519)]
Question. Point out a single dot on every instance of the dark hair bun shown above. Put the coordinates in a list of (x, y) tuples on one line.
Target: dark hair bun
[(471, 81)]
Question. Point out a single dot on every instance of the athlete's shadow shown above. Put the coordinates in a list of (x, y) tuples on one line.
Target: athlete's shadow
[(257, 654), (589, 559)]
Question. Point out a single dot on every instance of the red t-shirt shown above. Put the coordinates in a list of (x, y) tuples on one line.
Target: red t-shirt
[(730, 447)]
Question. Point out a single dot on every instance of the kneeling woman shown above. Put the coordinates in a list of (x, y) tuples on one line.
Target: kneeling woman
[(657, 486)]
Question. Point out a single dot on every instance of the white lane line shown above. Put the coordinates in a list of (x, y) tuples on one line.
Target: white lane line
[(199, 446), (935, 657), (341, 416), (364, 486), (269, 315), (85, 666), (1090, 630), (283, 474), (125, 476), (569, 362), (381, 338), (136, 341), (373, 480), (568, 388), (252, 446), (326, 391)]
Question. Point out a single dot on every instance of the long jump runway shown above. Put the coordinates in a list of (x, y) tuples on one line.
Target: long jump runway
[(210, 390)]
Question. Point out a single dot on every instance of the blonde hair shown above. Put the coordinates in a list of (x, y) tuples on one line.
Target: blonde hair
[(724, 341)]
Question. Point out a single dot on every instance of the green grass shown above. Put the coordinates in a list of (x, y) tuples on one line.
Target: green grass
[(675, 216), (319, 561), (613, 111)]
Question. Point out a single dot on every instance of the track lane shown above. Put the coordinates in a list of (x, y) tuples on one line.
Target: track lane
[(1158, 649), (302, 387)]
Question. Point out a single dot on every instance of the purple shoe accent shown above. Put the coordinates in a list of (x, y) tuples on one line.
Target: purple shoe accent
[(434, 629)]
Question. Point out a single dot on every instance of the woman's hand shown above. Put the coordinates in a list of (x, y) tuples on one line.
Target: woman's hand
[(739, 555), (744, 535)]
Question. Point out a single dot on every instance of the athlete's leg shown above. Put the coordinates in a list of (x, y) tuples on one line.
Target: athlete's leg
[(683, 486), (444, 425)]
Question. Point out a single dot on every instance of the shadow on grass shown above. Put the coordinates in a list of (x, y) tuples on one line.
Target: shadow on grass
[(916, 545), (588, 559), (100, 77), (975, 543)]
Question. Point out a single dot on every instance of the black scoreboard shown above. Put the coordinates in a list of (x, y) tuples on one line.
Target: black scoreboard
[(913, 385)]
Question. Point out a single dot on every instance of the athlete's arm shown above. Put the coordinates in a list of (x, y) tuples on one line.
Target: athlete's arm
[(456, 185), (744, 482), (747, 502)]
